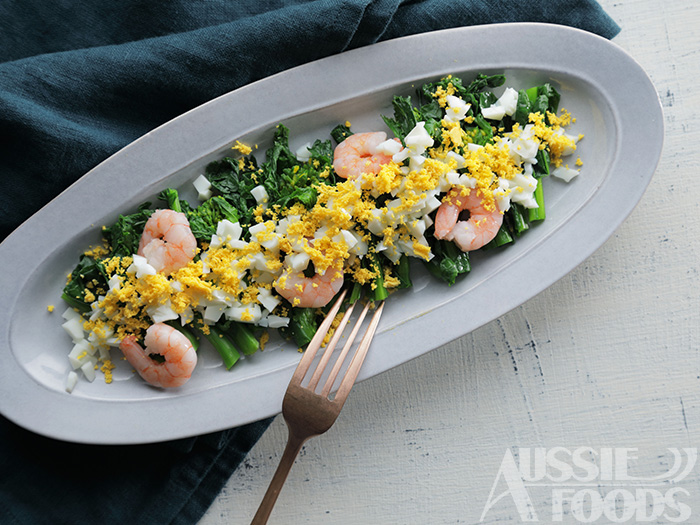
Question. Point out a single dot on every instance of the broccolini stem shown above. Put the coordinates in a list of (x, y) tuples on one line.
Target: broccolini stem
[(379, 293), (502, 237), (538, 214), (532, 94), (76, 303), (303, 326), (403, 272), (172, 197), (243, 338), (519, 222), (355, 293), (228, 352)]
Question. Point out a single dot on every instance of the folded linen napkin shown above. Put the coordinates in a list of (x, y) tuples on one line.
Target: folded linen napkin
[(80, 80)]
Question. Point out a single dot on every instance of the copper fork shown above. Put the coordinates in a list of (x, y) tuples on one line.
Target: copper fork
[(308, 413)]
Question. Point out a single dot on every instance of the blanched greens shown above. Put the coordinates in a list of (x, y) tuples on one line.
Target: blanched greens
[(290, 180), (449, 263), (285, 178), (85, 280)]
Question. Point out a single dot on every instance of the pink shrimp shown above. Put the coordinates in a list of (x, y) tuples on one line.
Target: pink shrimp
[(167, 241), (481, 227), (180, 356), (358, 154), (310, 292)]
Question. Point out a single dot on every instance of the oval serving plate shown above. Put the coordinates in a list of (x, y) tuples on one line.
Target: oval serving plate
[(616, 106)]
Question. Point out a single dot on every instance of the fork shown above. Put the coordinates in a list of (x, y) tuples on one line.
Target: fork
[(308, 413)]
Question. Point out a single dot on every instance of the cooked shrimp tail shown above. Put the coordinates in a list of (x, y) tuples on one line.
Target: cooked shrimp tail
[(359, 154), (481, 227), (310, 292), (167, 241), (177, 350)]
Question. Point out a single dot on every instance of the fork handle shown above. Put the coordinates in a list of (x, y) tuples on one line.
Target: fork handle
[(291, 451)]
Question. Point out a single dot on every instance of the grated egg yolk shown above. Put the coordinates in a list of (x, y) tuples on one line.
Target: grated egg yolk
[(387, 203)]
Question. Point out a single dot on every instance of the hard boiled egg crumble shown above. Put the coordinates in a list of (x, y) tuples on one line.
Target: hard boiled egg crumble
[(293, 220)]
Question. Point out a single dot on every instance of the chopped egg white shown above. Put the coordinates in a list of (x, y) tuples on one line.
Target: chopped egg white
[(88, 370), (303, 154), (203, 187), (505, 105), (229, 231), (81, 353), (161, 313), (260, 195), (418, 139), (494, 112), (564, 173), (141, 267), (71, 381), (74, 328), (456, 110)]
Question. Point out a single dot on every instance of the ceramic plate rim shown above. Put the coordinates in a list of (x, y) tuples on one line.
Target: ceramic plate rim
[(41, 410)]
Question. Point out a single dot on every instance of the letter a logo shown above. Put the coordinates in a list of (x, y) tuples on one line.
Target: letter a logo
[(510, 473)]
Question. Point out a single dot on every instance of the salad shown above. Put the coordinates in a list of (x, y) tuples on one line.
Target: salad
[(271, 242)]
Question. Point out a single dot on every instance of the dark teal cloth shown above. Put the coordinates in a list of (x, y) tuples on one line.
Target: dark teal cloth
[(80, 79)]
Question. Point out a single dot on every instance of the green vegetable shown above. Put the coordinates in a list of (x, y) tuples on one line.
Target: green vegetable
[(88, 272), (379, 292), (241, 336), (538, 214), (234, 183), (124, 235), (403, 272), (522, 109), (321, 150), (302, 326), (289, 181), (532, 94), (482, 134), (205, 217), (515, 221), (517, 216), (278, 158), (449, 262), (404, 117), (487, 99), (355, 293), (552, 96), (482, 82), (171, 196), (285, 179), (542, 166), (340, 133), (543, 98), (429, 89), (220, 341), (502, 237)]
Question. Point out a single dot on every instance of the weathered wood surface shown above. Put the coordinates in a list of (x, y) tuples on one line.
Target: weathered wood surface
[(608, 357)]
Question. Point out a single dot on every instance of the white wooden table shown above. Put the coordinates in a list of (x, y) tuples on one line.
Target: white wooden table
[(605, 360)]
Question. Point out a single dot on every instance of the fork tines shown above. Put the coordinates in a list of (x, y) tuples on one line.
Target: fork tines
[(307, 413), (316, 343)]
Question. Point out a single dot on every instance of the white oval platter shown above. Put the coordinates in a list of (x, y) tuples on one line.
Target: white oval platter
[(617, 109)]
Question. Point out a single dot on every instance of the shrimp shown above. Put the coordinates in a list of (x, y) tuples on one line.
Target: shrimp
[(481, 227), (180, 356), (310, 292), (167, 241), (358, 154)]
